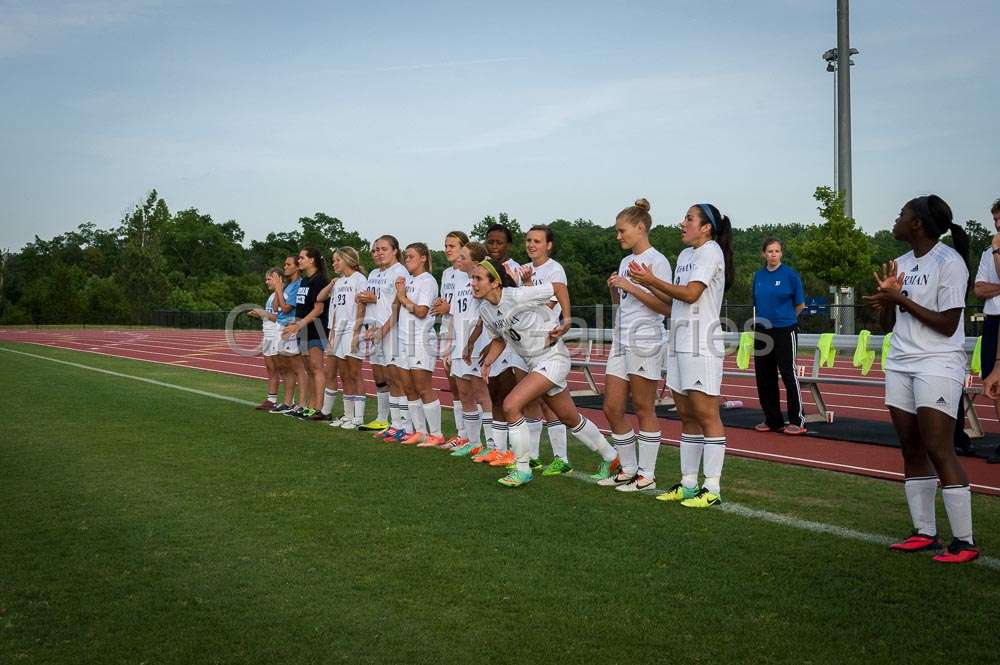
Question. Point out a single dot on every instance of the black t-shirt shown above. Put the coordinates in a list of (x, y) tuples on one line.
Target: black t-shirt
[(305, 300)]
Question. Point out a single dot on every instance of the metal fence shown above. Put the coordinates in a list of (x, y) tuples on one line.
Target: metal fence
[(207, 320)]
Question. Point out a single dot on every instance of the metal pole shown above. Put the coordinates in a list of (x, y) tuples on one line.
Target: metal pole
[(844, 104)]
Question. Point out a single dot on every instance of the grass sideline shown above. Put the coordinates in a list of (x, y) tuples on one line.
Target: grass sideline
[(147, 524)]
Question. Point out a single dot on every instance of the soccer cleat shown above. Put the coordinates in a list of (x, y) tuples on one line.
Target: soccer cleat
[(317, 416), (266, 405), (337, 422), (505, 458), (516, 479), (535, 463), (398, 437), (678, 493), (281, 409), (294, 411), (453, 443), (486, 456), (374, 426), (917, 542), (385, 434), (703, 499), (615, 480), (476, 450), (307, 413), (464, 451), (348, 424), (431, 441), (412, 439), (959, 551), (557, 467), (637, 484)]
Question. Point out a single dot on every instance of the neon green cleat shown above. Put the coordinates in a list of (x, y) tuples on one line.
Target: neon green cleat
[(535, 463), (703, 499), (374, 426), (604, 471), (678, 493), (464, 451), (558, 467), (516, 479)]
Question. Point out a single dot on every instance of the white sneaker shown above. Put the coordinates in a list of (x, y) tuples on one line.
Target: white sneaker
[(349, 424), (637, 484), (336, 422), (618, 479)]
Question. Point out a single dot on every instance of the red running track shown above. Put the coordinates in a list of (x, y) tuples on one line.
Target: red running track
[(210, 350)]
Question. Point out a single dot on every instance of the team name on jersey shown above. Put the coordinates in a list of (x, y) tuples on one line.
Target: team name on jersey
[(686, 268), (344, 293), (916, 280), (300, 296)]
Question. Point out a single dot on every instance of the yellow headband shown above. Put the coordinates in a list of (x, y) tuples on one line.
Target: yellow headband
[(491, 270)]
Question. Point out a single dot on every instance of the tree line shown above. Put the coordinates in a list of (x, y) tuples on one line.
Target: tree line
[(157, 259)]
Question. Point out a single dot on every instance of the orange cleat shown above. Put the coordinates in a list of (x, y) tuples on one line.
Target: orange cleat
[(504, 458), (413, 439), (431, 441)]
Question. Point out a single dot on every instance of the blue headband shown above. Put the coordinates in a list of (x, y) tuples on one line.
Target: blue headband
[(707, 211)]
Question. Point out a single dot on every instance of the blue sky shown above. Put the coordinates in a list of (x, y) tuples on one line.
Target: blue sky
[(416, 118)]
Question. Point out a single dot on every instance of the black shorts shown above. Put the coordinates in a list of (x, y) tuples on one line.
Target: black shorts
[(988, 355)]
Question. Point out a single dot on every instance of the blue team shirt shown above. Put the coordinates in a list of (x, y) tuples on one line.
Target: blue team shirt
[(290, 293), (776, 294)]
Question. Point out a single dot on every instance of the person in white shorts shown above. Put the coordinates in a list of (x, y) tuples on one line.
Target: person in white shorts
[(289, 361), (694, 352), (921, 297), (380, 336), (346, 319), (635, 364), (417, 355), (270, 340), (520, 318)]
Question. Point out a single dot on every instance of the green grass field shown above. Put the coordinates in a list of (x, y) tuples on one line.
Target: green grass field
[(141, 523)]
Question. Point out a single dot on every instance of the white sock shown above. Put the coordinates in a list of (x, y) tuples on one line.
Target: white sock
[(625, 446), (712, 458), (557, 439), (958, 505), (384, 404), (418, 420), (432, 412), (520, 443), (273, 399), (535, 430), (405, 423), (459, 414), (649, 448), (587, 432), (500, 435), (920, 495), (359, 409), (395, 420), (472, 427), (329, 397), (691, 446), (349, 407), (487, 423)]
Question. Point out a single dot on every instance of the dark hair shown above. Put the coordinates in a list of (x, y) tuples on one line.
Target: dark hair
[(637, 214), (722, 233), (770, 240), (459, 236), (505, 280), (936, 219), (477, 252), (318, 260), (503, 229), (421, 249), (995, 208), (275, 271), (544, 228), (392, 243)]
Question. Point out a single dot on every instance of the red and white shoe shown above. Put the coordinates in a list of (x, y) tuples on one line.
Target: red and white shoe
[(959, 551)]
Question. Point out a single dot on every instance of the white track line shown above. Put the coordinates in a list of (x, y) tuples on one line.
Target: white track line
[(734, 508)]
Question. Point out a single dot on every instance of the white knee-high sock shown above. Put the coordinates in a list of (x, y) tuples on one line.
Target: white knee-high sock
[(329, 397), (472, 427), (520, 443), (591, 437), (432, 412), (396, 418), (359, 409), (920, 495), (459, 414), (535, 430), (405, 423), (382, 400), (691, 447), (625, 447), (487, 424), (712, 458), (557, 439), (418, 422), (958, 505), (649, 448), (349, 407), (500, 435)]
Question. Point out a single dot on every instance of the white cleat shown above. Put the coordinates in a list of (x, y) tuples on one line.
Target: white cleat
[(618, 479), (637, 484)]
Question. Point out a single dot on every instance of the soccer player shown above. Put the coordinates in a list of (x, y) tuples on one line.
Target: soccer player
[(310, 327), (520, 318), (417, 354), (289, 361), (695, 350), (345, 330), (987, 288), (380, 316), (451, 280), (921, 297), (635, 364), (269, 346)]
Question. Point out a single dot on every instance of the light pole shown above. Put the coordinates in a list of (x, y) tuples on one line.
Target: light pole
[(842, 104)]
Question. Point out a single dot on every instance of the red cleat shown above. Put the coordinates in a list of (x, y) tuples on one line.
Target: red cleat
[(959, 551), (917, 542)]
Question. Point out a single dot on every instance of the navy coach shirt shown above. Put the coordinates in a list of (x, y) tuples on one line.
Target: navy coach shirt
[(776, 293)]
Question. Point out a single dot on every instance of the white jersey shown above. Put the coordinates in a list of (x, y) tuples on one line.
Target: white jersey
[(464, 313), (636, 324), (343, 307), (421, 290), (523, 319), (988, 273), (937, 280), (382, 282), (695, 327), (270, 308), (550, 272), (514, 268)]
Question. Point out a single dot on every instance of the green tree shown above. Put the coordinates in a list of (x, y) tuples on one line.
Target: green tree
[(479, 229), (836, 251), (195, 245)]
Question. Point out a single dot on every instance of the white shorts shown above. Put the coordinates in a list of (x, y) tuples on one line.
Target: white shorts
[(908, 392), (555, 367), (461, 369), (381, 351), (701, 373), (342, 345), (269, 345), (414, 357), (287, 347), (508, 360), (624, 362)]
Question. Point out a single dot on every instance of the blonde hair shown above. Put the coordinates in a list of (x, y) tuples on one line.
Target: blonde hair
[(350, 256), (422, 250), (637, 214)]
